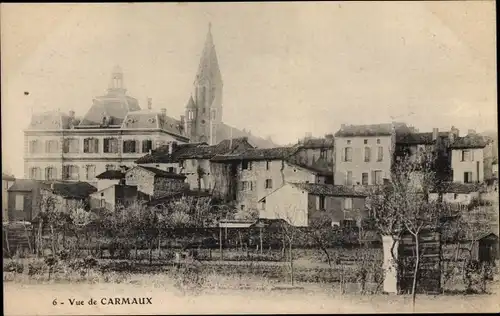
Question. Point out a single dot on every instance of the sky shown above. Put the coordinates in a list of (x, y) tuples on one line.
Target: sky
[(288, 68)]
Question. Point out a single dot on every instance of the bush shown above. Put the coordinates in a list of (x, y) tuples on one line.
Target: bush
[(36, 267), (13, 266)]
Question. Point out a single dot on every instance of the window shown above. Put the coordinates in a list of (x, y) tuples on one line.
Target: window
[(244, 185), (467, 177), (348, 142), (147, 145), (103, 202), (35, 173), (90, 172), (348, 154), (364, 178), (110, 167), (268, 165), (368, 154), (71, 172), (365, 141), (242, 207), (19, 202), (378, 177), (71, 145), (204, 110), (91, 145), (322, 153), (348, 204), (380, 153), (245, 164), (348, 223), (50, 173), (455, 196), (349, 178), (129, 146), (51, 146), (34, 146), (378, 141), (110, 145), (171, 169), (321, 200), (190, 115), (466, 156), (181, 164), (213, 114), (269, 184)]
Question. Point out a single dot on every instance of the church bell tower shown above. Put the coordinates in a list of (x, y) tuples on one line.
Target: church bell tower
[(204, 107)]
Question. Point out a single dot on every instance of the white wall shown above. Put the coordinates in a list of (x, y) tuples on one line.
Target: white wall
[(288, 203), (452, 198), (459, 166), (358, 166)]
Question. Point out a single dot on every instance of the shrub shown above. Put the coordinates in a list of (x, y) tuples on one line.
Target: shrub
[(13, 266), (36, 267)]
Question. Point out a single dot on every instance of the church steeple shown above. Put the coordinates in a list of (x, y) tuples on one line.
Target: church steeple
[(208, 68), (204, 108)]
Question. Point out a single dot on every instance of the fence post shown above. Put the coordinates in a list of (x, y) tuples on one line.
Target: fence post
[(220, 242)]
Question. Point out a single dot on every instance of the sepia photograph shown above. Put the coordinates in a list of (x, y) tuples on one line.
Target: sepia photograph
[(249, 157)]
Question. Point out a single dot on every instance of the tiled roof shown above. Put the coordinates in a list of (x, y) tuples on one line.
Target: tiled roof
[(75, 190), (115, 105), (461, 188), (316, 143), (161, 155), (469, 141), (327, 189), (372, 130), (259, 154), (24, 185), (236, 145), (417, 138), (111, 175), (161, 173), (173, 195), (314, 169)]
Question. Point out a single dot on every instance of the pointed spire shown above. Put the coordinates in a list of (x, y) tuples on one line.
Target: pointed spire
[(209, 65)]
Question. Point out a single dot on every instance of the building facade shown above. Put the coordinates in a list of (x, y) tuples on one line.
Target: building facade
[(248, 177), (315, 205), (113, 133), (467, 158), (364, 154)]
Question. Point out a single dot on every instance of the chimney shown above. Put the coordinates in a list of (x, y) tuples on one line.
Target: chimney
[(435, 133), (150, 103), (164, 112), (172, 146)]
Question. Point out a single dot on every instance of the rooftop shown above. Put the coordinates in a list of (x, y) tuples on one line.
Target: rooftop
[(417, 138), (327, 189), (469, 141), (259, 154), (111, 175), (385, 129), (161, 173), (461, 188), (73, 190)]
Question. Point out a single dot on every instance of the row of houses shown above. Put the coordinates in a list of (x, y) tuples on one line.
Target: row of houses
[(315, 180)]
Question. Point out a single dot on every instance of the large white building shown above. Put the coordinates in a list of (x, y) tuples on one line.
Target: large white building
[(114, 132)]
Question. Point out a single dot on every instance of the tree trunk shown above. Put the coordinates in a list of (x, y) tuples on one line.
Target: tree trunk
[(415, 271), (260, 235), (7, 240), (53, 240)]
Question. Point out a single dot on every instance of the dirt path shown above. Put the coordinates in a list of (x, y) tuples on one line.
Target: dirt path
[(22, 299)]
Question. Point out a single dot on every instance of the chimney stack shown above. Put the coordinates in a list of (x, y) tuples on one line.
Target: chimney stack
[(150, 103), (435, 133), (164, 112)]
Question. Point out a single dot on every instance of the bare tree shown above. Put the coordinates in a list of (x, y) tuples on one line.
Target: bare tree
[(402, 204)]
